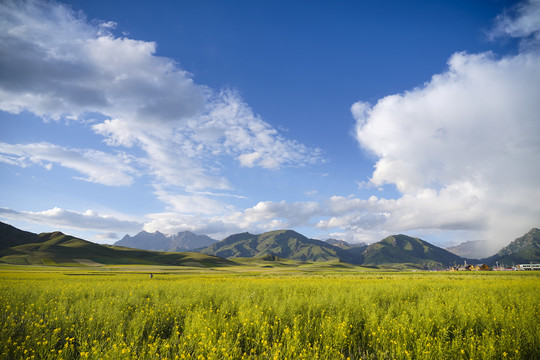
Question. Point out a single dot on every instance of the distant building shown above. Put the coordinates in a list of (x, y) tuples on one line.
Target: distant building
[(527, 267), (470, 267)]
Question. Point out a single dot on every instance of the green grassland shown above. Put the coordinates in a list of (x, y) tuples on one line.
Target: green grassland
[(58, 249), (266, 309)]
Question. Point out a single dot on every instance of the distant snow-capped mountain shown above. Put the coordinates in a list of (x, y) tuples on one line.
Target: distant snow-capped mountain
[(184, 240)]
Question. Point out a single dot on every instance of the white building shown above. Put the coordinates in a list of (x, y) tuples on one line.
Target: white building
[(528, 267)]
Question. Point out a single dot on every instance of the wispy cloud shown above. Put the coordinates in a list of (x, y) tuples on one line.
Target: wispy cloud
[(264, 216), (191, 203), (172, 223), (231, 127), (88, 220), (521, 21), (58, 65), (96, 166)]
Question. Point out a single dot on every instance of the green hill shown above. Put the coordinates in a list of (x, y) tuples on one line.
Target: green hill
[(523, 250), (24, 248), (11, 236), (270, 249), (281, 243), (287, 244), (403, 249)]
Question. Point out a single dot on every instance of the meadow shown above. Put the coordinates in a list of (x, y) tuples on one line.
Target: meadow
[(118, 313)]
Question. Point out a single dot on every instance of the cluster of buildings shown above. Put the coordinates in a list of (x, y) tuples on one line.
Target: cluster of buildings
[(484, 267), (526, 267), (470, 267)]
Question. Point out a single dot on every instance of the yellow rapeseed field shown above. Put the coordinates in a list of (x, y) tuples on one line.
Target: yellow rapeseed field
[(123, 315)]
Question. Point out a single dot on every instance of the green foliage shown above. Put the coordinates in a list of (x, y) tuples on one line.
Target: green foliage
[(127, 315)]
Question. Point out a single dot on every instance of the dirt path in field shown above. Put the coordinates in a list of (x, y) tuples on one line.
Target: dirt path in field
[(88, 262)]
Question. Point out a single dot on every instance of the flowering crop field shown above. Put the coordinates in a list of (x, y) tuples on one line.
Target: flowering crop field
[(126, 315)]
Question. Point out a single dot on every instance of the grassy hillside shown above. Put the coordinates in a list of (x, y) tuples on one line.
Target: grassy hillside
[(281, 243), (171, 258), (11, 236), (280, 248), (398, 249), (407, 250), (523, 250), (57, 248)]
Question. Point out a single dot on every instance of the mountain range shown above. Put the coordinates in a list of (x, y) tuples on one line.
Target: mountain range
[(396, 251), (289, 244), (408, 250), (157, 241), (474, 249), (523, 250), (281, 243), (343, 244), (25, 248)]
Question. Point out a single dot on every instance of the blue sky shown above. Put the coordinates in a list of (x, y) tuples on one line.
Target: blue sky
[(349, 119)]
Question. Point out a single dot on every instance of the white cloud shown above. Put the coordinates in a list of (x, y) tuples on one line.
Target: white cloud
[(522, 21), (172, 223), (271, 215), (96, 166), (230, 126), (191, 204), (481, 108), (264, 216), (58, 66), (110, 236), (355, 237), (463, 149), (452, 208), (88, 220)]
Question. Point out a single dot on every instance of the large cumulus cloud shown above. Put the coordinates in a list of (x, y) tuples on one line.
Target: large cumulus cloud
[(463, 148)]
